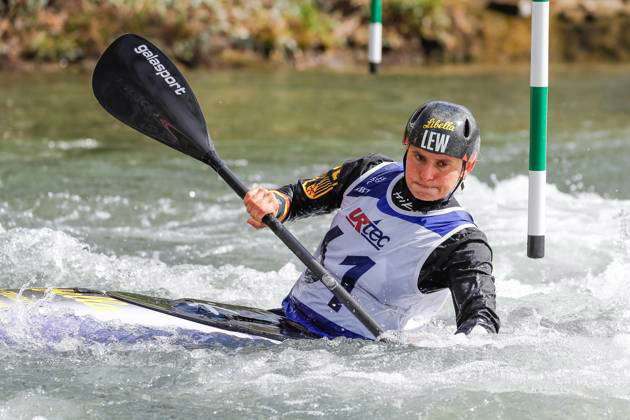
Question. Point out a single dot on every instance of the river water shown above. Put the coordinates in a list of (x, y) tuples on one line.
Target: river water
[(85, 201)]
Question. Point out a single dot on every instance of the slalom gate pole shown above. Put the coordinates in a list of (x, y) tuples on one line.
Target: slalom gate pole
[(376, 35), (539, 85)]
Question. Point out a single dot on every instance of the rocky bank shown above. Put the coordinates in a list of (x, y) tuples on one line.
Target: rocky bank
[(307, 33)]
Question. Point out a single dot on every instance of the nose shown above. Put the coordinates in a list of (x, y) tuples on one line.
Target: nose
[(426, 172)]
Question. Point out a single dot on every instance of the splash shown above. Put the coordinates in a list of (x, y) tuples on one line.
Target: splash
[(564, 318)]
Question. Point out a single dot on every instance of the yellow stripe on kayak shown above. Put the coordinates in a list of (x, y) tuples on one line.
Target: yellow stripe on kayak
[(98, 303), (13, 296)]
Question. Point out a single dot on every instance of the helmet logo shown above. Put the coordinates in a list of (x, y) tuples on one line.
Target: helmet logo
[(437, 123), (434, 142)]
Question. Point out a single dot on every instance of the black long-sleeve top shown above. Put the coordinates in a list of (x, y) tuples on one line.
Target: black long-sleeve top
[(462, 263)]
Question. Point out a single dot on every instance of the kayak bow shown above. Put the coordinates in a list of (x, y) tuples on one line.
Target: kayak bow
[(50, 315)]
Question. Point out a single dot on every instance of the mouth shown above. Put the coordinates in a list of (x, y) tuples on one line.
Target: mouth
[(426, 187)]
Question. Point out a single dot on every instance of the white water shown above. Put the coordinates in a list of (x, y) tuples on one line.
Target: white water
[(563, 350)]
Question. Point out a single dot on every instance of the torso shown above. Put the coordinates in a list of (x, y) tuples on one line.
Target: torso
[(377, 249)]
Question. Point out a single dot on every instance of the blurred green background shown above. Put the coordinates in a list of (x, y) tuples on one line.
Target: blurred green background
[(309, 33)]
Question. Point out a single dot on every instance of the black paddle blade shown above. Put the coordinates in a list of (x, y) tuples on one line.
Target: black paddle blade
[(137, 83)]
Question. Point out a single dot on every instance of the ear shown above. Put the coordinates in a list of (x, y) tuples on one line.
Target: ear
[(470, 165)]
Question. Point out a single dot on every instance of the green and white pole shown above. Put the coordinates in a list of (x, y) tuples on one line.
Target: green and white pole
[(376, 36), (539, 85)]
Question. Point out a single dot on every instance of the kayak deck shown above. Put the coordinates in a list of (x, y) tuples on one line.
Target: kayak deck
[(238, 318), (129, 317)]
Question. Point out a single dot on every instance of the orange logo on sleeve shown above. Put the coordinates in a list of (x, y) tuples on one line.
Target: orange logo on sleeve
[(320, 186)]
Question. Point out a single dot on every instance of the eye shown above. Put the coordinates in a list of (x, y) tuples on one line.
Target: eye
[(419, 157), (442, 164)]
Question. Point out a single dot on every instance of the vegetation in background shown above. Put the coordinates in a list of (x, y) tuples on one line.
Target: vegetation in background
[(300, 32)]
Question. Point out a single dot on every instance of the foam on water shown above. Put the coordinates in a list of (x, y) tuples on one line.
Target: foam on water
[(564, 348), (48, 258), (36, 405)]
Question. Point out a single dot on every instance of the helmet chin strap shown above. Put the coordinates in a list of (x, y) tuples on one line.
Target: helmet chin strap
[(462, 173), (405, 159)]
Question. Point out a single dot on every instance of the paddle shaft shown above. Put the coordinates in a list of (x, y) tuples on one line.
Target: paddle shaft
[(138, 84), (213, 160)]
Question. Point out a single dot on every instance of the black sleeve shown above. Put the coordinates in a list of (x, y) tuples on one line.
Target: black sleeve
[(323, 193), (463, 263)]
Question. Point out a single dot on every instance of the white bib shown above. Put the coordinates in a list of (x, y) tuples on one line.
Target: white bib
[(377, 251)]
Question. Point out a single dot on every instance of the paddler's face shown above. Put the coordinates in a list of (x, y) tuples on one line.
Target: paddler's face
[(431, 176)]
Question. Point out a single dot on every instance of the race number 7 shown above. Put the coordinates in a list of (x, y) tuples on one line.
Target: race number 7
[(359, 266)]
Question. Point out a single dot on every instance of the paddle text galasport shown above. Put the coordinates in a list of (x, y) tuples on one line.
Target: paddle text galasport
[(159, 68)]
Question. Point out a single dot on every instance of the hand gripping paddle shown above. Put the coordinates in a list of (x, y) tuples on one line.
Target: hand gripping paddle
[(137, 83)]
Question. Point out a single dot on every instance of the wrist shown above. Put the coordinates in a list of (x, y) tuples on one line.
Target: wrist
[(284, 203)]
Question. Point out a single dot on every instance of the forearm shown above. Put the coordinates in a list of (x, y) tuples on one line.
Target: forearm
[(323, 193), (304, 199), (474, 299), (472, 287), (463, 264)]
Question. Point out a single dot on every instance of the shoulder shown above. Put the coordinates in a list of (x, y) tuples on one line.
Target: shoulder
[(465, 252), (363, 164), (353, 169), (468, 234), (469, 238), (469, 246)]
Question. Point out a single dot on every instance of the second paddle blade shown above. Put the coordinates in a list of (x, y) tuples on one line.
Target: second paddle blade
[(137, 83)]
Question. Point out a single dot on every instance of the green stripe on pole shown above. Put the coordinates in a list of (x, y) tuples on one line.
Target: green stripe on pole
[(540, 1), (376, 11), (538, 129)]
